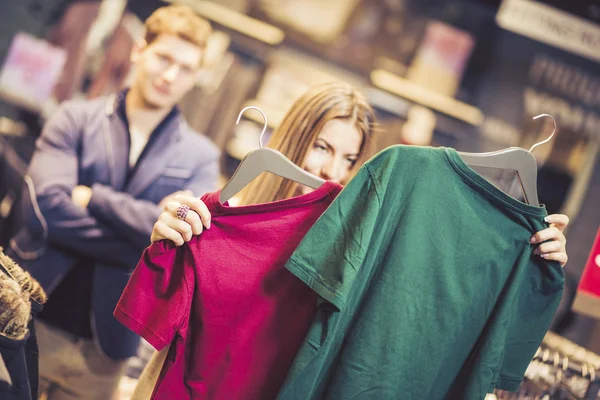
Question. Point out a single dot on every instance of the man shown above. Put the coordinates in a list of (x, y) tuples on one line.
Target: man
[(101, 173)]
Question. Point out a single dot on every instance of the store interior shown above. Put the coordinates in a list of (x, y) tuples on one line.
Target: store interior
[(466, 74)]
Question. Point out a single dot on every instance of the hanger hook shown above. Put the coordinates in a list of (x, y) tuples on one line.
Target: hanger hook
[(551, 136), (264, 123)]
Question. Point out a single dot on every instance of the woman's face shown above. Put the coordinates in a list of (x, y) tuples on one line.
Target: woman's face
[(334, 152)]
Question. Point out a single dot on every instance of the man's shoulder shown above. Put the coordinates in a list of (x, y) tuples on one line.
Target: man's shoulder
[(84, 105), (83, 111)]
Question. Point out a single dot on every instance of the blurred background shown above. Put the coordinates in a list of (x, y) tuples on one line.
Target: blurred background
[(469, 74)]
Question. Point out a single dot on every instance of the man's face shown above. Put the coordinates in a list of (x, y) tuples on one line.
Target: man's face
[(166, 70)]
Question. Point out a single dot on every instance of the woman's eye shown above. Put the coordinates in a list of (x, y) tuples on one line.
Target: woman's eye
[(162, 58), (320, 147), (351, 161)]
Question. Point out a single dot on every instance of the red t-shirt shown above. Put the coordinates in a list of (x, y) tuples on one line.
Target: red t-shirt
[(587, 299), (235, 315), (590, 279)]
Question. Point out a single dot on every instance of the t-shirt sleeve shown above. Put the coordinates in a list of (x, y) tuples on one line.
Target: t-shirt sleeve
[(156, 301), (331, 253), (535, 306)]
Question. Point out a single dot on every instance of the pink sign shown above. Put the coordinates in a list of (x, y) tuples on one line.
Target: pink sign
[(441, 59), (447, 46), (31, 71)]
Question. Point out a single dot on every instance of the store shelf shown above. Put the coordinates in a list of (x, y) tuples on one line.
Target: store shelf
[(235, 21), (426, 97)]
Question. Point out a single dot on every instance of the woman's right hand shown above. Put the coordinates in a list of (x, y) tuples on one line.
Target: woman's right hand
[(178, 231)]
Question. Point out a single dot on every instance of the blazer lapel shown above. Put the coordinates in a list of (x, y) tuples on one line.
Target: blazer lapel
[(116, 142)]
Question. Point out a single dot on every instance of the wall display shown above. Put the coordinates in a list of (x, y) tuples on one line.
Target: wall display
[(30, 71), (360, 35), (552, 26), (441, 58), (523, 79)]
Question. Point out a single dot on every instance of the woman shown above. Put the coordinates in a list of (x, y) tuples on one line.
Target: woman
[(327, 132)]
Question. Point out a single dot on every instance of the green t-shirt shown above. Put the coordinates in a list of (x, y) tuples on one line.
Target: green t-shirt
[(430, 289)]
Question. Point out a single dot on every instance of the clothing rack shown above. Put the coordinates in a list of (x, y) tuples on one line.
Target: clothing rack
[(560, 369), (553, 357), (558, 360)]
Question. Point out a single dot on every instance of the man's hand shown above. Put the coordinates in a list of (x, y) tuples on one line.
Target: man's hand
[(81, 196)]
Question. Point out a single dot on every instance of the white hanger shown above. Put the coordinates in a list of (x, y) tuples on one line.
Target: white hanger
[(262, 160), (513, 158)]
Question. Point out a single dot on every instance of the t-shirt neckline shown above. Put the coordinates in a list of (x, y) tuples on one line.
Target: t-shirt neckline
[(213, 203), (488, 188)]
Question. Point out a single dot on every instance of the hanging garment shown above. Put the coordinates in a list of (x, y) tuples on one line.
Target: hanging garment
[(14, 315), (12, 360), (81, 20), (431, 285), (71, 34), (587, 299), (233, 316), (19, 353)]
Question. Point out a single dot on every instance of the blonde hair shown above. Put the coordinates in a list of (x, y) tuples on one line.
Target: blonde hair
[(297, 132), (179, 20)]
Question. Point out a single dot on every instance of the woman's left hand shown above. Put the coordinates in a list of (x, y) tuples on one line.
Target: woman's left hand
[(553, 242)]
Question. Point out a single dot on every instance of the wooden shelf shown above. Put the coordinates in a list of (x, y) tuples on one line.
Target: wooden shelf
[(426, 97)]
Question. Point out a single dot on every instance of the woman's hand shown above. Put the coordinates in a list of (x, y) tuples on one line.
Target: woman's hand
[(553, 241), (178, 231)]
